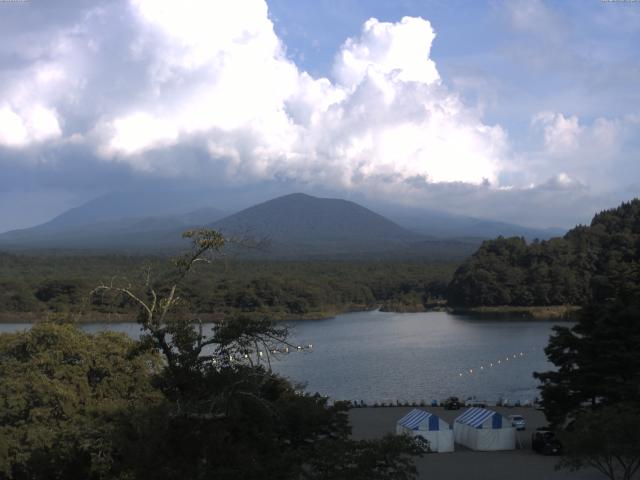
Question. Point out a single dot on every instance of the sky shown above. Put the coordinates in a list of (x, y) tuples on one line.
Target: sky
[(522, 110)]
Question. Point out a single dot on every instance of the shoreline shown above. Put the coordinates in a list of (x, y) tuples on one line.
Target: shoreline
[(556, 312), (115, 318), (551, 312)]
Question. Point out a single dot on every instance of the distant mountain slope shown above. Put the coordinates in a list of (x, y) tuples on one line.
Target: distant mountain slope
[(134, 203), (122, 233), (300, 223), (445, 225)]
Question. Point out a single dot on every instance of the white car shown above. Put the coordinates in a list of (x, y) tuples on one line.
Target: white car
[(517, 421)]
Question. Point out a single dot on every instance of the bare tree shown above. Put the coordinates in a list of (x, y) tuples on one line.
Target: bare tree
[(182, 340)]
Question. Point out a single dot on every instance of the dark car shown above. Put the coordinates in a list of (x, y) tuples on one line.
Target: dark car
[(544, 441), (451, 403)]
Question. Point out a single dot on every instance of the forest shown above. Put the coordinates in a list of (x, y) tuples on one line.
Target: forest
[(600, 259), (36, 286)]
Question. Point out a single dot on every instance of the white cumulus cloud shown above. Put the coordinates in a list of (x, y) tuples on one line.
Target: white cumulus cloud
[(30, 125), (598, 153), (401, 49), (561, 134), (220, 75), (214, 79)]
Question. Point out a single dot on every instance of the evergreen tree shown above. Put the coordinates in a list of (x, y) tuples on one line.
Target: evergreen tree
[(593, 397), (586, 264)]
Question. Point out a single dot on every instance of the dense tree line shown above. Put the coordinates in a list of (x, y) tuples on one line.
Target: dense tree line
[(598, 259), (592, 397), (61, 284)]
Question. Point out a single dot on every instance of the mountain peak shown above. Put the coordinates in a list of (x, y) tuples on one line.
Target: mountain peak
[(296, 196), (316, 224)]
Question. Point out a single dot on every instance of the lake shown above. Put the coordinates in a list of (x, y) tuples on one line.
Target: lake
[(380, 356)]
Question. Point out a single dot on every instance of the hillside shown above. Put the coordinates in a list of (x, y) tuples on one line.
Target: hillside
[(445, 225), (132, 233), (598, 261), (156, 200), (306, 225)]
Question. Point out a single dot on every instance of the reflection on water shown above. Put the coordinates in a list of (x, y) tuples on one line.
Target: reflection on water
[(380, 356)]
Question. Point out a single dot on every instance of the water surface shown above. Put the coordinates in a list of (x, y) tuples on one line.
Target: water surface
[(381, 356)]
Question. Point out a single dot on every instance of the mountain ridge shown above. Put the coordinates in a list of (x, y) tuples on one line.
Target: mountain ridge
[(309, 225), (298, 225)]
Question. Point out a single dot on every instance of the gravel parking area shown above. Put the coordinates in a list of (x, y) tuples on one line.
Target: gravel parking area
[(520, 464)]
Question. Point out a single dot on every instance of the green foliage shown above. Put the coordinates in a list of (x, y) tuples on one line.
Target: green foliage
[(593, 396), (278, 290), (597, 261), (607, 439), (18, 296), (507, 271), (597, 360), (388, 458), (61, 392)]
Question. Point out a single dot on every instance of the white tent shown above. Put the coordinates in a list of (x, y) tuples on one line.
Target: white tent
[(419, 423), (481, 429)]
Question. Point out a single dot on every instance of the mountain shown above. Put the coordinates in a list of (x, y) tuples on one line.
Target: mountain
[(75, 231), (135, 203), (446, 225), (297, 226), (300, 224)]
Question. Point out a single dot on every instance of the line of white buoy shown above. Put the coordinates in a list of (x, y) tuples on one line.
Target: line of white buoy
[(494, 364)]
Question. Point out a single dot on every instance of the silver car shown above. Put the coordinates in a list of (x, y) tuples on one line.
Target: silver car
[(517, 421)]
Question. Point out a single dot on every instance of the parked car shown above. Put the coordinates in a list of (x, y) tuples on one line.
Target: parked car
[(452, 403), (517, 421), (544, 441)]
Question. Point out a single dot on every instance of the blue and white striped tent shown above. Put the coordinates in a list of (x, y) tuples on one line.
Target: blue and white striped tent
[(477, 418), (482, 429), (418, 419), (428, 426)]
